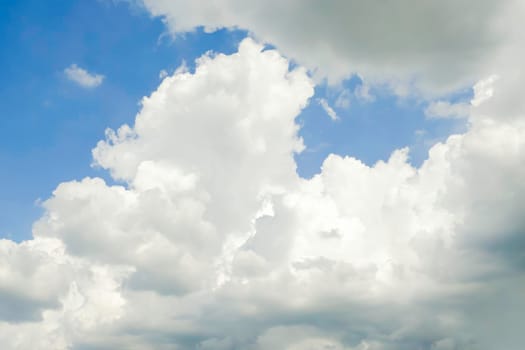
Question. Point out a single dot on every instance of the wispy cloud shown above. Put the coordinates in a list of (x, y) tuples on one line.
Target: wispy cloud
[(82, 77), (444, 109), (362, 92), (163, 74), (329, 110), (343, 100)]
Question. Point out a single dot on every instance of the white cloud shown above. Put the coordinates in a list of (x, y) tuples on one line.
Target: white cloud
[(484, 90), (445, 109), (329, 110), (82, 77), (163, 74), (214, 242)]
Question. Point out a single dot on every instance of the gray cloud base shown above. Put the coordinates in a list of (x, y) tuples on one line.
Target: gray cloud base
[(422, 47)]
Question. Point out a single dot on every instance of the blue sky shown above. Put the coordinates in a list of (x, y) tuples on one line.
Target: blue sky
[(49, 124)]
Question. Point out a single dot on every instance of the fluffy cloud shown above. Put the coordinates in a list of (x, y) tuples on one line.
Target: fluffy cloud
[(483, 91), (212, 241), (432, 46), (82, 77)]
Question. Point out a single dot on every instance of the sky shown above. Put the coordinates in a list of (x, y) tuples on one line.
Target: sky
[(51, 123), (262, 175)]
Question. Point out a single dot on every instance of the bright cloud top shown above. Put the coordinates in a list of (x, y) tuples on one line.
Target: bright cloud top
[(82, 77), (214, 242)]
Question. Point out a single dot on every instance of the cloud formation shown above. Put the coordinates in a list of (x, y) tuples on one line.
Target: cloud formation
[(212, 241), (429, 47), (329, 110), (82, 77), (445, 109)]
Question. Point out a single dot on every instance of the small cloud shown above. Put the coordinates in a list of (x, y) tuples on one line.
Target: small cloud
[(329, 110), (343, 100), (420, 132), (163, 74), (362, 92), (321, 146), (444, 109), (82, 77), (484, 90), (183, 68)]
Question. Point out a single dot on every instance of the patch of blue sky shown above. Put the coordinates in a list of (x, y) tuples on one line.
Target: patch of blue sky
[(370, 129), (48, 125)]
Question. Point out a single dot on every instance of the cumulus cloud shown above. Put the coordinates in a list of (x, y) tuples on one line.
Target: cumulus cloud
[(425, 46), (212, 241), (82, 77)]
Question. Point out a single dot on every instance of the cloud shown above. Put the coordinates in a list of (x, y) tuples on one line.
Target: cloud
[(163, 74), (329, 110), (483, 91), (429, 47), (32, 280), (362, 92), (343, 99), (82, 77), (445, 109), (212, 241)]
